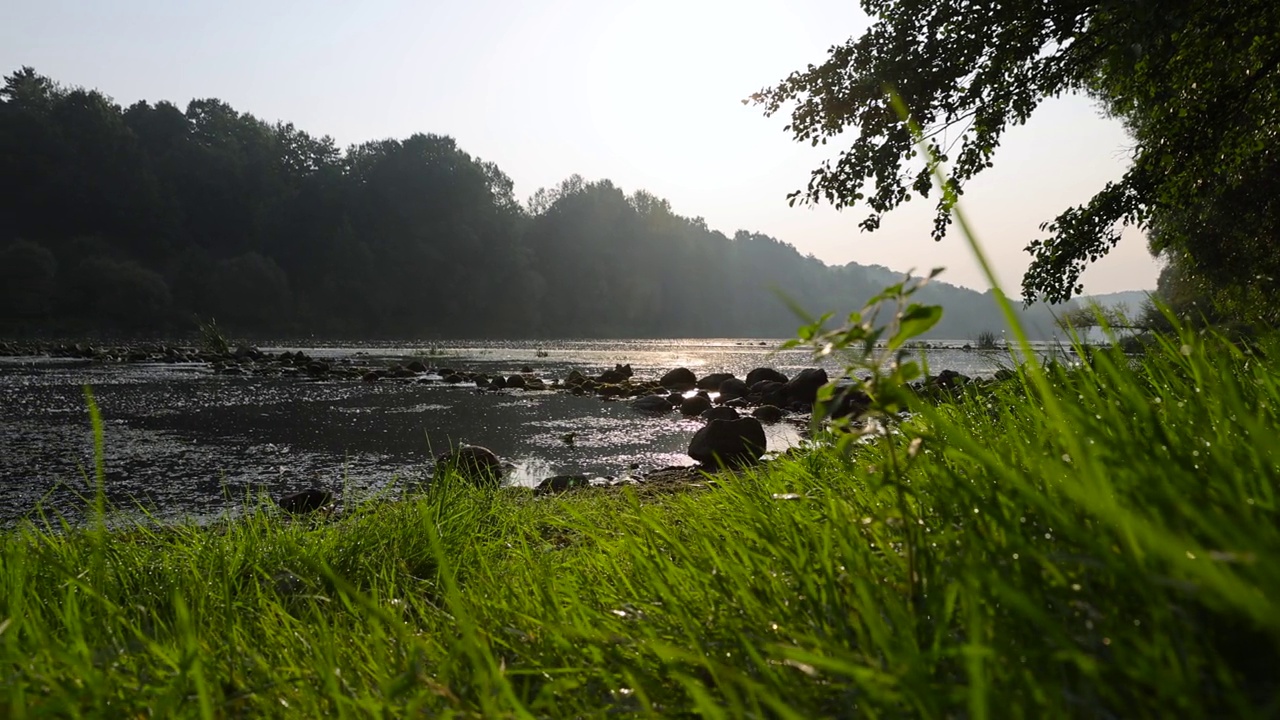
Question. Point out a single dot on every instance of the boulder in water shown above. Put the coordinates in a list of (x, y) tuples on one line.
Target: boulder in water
[(729, 443), (478, 465), (680, 379), (305, 501)]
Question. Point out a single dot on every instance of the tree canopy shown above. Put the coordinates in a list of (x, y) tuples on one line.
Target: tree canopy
[(135, 219), (1194, 81)]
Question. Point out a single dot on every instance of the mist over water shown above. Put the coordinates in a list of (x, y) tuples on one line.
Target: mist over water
[(185, 443)]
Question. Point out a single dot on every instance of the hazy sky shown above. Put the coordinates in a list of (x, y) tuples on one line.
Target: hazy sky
[(647, 94)]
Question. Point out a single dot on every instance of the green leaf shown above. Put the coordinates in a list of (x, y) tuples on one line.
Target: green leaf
[(915, 321)]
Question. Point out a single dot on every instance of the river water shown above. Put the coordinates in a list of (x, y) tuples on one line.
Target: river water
[(184, 443)]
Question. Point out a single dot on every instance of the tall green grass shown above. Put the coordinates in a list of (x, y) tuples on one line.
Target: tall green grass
[(1115, 557)]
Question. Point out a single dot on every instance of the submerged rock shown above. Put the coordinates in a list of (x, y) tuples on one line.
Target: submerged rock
[(652, 404)]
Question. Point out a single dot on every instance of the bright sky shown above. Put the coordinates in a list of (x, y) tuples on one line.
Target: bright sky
[(644, 93)]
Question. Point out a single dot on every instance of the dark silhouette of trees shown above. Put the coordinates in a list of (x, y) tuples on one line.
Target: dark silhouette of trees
[(139, 219)]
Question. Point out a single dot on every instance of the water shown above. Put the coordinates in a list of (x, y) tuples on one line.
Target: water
[(185, 443)]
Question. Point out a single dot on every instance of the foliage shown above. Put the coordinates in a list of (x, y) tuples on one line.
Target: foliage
[(274, 230), (212, 339), (986, 340), (1195, 81), (1110, 562)]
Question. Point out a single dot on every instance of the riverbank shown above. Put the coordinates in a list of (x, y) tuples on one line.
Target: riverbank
[(1107, 548)]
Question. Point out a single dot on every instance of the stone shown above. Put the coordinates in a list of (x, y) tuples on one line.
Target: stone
[(720, 413), (417, 366), (712, 382), (679, 379), (803, 388), (729, 442), (733, 388), (478, 465), (516, 381), (652, 404), (562, 483), (695, 405), (763, 374), (305, 501), (767, 414), (618, 374)]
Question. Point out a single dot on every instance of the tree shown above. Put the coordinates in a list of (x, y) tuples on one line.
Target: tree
[(1195, 81)]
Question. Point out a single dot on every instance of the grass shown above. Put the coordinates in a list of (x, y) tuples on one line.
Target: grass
[(1115, 557)]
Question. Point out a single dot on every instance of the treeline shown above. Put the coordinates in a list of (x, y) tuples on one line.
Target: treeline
[(138, 219)]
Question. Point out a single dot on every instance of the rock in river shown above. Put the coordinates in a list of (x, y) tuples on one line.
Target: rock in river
[(306, 501), (680, 379), (762, 374), (695, 405), (479, 465), (652, 404), (729, 442)]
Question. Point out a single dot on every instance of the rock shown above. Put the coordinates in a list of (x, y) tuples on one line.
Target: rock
[(517, 382), (317, 367), (764, 374), (561, 483), (675, 399), (733, 388), (534, 384), (720, 413), (306, 501), (803, 388), (729, 442), (947, 379), (680, 379), (526, 369), (848, 401), (767, 414), (244, 351), (712, 382), (616, 375), (478, 465), (611, 391), (371, 376), (652, 404), (417, 366), (695, 405), (497, 383), (452, 379)]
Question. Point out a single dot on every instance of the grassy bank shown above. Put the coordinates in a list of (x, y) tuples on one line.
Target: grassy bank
[(1108, 548)]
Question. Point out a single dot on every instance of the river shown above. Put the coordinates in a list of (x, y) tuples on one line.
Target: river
[(185, 443)]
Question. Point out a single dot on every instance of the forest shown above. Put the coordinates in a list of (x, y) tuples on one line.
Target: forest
[(141, 220)]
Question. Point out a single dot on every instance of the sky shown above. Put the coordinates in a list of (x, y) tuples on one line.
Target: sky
[(646, 94)]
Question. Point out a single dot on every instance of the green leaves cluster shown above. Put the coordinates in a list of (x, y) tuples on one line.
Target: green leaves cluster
[(1195, 82), (874, 349)]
